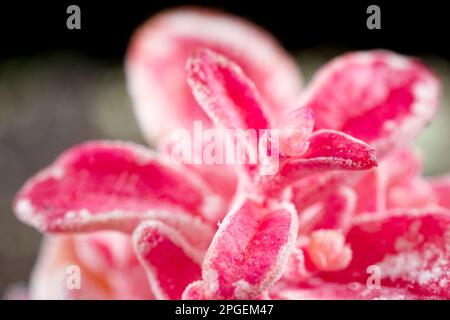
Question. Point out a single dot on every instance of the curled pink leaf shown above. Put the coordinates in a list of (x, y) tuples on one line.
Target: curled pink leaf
[(250, 250), (328, 150), (158, 52), (336, 149), (112, 185), (409, 248), (224, 92), (170, 262), (380, 97)]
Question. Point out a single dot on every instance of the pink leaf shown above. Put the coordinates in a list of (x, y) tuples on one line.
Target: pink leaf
[(112, 185), (328, 150), (336, 149), (379, 97), (409, 248), (250, 250), (170, 262), (159, 50), (224, 92)]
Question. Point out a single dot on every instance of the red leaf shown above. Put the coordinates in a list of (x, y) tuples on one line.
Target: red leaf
[(328, 150), (170, 262), (250, 251), (112, 185), (224, 92), (410, 248), (160, 48), (379, 97)]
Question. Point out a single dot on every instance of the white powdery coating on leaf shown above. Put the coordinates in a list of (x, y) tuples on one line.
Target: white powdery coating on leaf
[(210, 280), (211, 207), (193, 291), (57, 172), (398, 62), (243, 289), (425, 266), (142, 246), (164, 35), (25, 209), (243, 36), (27, 213), (207, 99), (411, 239), (425, 103), (425, 91)]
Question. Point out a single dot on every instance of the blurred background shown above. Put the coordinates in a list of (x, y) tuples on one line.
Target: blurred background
[(59, 87)]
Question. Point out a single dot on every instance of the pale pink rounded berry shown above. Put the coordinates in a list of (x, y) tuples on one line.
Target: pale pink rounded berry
[(328, 251)]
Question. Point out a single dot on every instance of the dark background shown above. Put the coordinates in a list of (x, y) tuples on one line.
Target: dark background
[(413, 27)]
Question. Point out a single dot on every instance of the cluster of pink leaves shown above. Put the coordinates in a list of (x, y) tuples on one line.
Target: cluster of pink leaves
[(348, 194)]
